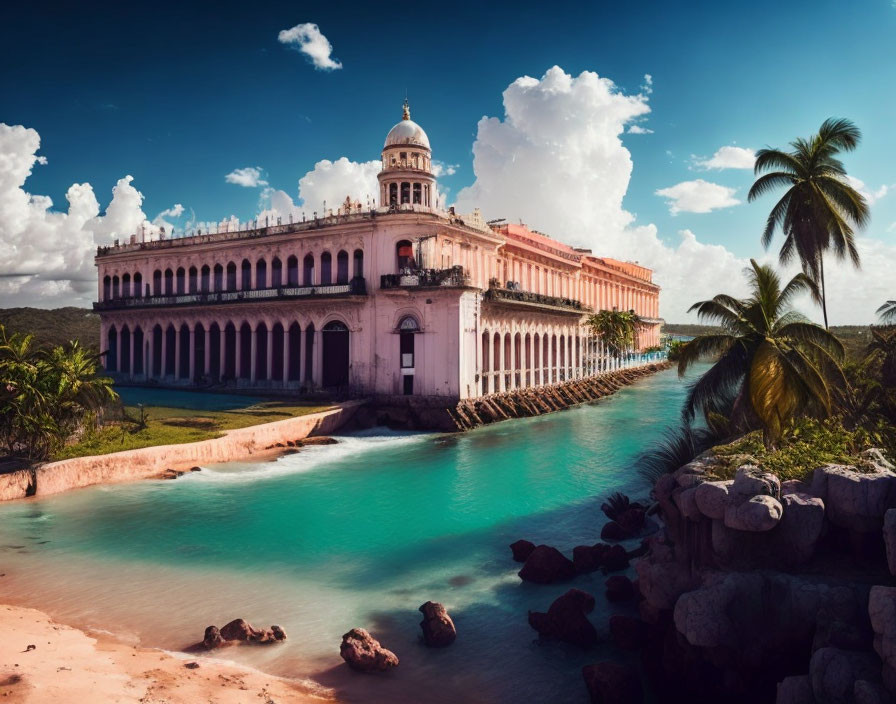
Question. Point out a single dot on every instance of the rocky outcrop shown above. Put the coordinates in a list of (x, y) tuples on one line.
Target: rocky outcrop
[(546, 565), (130, 465), (240, 631), (619, 588), (523, 403), (566, 619), (364, 653), (521, 550), (438, 628), (627, 632), (890, 539), (613, 683)]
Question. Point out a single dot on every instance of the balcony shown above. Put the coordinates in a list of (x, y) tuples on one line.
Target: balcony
[(426, 278), (526, 298), (356, 287)]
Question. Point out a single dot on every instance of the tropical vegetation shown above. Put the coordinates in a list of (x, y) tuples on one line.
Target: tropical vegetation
[(820, 209), (617, 328), (47, 395), (887, 312), (771, 363)]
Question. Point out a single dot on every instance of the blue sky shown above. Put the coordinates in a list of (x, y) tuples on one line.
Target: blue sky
[(179, 96)]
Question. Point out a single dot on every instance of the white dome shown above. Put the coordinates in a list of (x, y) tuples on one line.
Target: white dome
[(407, 132)]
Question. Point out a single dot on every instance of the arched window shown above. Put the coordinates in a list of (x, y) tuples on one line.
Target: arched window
[(359, 264), (404, 250), (125, 285), (276, 273), (194, 280), (138, 285), (218, 278), (308, 274), (169, 282), (405, 192), (205, 275), (231, 276), (157, 289), (408, 327), (107, 287), (246, 283), (326, 269), (292, 271), (393, 194), (418, 198), (180, 275), (261, 274), (342, 267), (115, 287)]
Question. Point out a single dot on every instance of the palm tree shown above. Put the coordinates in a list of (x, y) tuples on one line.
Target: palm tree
[(772, 363), (883, 345), (887, 312), (820, 209), (617, 328)]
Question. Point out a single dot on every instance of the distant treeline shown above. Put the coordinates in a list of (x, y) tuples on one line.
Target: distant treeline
[(54, 327)]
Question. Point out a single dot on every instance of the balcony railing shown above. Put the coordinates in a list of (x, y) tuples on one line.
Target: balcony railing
[(356, 287), (506, 294), (426, 278)]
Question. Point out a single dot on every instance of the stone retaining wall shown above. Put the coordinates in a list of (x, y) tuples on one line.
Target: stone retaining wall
[(241, 443)]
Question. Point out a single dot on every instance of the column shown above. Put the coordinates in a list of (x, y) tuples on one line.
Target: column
[(176, 353), (131, 352), (531, 362), (317, 360), (222, 351), (208, 351), (253, 336), (490, 379), (238, 354), (270, 359), (502, 379), (192, 353), (286, 360), (164, 361), (148, 358)]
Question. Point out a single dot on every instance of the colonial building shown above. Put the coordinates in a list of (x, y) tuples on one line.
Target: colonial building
[(402, 298)]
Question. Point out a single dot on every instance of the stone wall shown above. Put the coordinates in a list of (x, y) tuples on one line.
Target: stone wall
[(241, 443)]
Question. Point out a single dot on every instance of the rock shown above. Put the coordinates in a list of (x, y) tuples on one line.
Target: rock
[(238, 629), (854, 500), (438, 628), (795, 690), (191, 665), (521, 550), (801, 526), (712, 497), (612, 683), (627, 632), (865, 692), (795, 486), (631, 521), (566, 620), (612, 531), (890, 538), (690, 474), (364, 653), (196, 469), (588, 558), (615, 558), (662, 583), (685, 499), (212, 638), (546, 565), (882, 612), (620, 588), (874, 457), (758, 514), (834, 672), (751, 481), (278, 633)]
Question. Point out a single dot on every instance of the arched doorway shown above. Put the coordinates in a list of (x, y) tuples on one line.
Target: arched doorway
[(335, 354), (408, 328)]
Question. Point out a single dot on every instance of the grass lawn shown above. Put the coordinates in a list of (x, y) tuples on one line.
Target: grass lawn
[(170, 426)]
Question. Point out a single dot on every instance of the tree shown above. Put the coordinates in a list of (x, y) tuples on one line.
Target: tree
[(617, 328), (883, 347), (887, 312), (820, 209), (771, 363)]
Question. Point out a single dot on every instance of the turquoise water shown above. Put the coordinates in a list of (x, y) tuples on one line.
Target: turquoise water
[(354, 534)]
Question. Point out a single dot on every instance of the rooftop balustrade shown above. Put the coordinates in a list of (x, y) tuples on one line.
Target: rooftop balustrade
[(495, 293), (356, 287)]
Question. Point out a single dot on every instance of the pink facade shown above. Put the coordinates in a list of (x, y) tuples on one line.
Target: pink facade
[(405, 298)]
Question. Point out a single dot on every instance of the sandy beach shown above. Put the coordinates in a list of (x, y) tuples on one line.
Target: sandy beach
[(42, 661)]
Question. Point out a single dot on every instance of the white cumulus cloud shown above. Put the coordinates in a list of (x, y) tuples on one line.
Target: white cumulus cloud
[(728, 157), (872, 196), (248, 177), (637, 129), (697, 197), (308, 39)]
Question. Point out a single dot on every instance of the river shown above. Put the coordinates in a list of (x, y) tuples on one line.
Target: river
[(359, 533)]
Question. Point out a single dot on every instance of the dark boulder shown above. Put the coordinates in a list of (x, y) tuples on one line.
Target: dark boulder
[(546, 565), (588, 558), (566, 620), (521, 550), (615, 559), (627, 632), (438, 628), (632, 521), (620, 588), (364, 653), (238, 629), (612, 683), (612, 531), (212, 638)]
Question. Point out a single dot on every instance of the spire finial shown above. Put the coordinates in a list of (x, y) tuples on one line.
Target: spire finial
[(406, 110)]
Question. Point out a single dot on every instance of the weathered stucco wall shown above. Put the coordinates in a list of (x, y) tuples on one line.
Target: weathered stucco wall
[(55, 477)]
